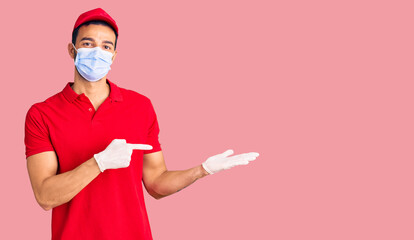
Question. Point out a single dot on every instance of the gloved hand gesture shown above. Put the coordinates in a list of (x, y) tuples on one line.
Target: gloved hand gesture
[(223, 161), (118, 154)]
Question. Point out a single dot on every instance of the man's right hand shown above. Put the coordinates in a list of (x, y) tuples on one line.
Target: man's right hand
[(118, 154)]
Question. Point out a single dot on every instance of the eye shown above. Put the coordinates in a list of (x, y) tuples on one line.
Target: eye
[(86, 44), (107, 47)]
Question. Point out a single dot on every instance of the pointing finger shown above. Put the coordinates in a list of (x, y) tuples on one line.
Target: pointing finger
[(245, 157), (139, 146)]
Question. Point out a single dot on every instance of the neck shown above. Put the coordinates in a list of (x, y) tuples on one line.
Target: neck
[(97, 91)]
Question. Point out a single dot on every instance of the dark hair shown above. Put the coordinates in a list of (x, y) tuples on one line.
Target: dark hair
[(96, 22)]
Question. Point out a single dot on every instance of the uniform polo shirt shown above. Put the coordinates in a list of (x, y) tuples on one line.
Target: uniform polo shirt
[(112, 205)]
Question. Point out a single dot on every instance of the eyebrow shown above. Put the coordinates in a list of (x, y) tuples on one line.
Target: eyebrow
[(109, 42), (91, 39), (87, 38)]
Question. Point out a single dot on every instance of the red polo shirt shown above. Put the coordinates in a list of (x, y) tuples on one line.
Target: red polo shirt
[(112, 205)]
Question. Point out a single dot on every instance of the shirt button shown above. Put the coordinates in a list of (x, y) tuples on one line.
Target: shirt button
[(90, 109)]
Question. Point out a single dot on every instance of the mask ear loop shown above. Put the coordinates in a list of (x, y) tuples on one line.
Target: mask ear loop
[(74, 47), (76, 51)]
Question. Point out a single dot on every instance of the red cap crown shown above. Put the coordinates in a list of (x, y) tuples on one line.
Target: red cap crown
[(96, 14)]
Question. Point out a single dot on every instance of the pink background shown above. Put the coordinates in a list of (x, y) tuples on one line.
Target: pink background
[(323, 90)]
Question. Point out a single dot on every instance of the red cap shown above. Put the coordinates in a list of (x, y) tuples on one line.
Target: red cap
[(96, 14)]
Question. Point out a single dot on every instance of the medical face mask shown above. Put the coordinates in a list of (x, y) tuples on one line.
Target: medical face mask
[(93, 63)]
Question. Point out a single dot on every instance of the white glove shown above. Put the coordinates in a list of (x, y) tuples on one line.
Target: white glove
[(222, 161), (117, 154)]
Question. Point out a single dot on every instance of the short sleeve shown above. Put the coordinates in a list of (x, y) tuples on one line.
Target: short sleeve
[(153, 131), (36, 137)]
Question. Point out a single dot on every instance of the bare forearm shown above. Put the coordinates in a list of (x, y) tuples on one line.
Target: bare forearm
[(171, 182), (61, 188)]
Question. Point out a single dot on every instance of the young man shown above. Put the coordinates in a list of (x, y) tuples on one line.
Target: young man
[(89, 146)]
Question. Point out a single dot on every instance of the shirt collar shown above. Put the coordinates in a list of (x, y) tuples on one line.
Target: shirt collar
[(115, 93)]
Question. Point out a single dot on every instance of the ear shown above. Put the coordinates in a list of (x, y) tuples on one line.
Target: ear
[(113, 57), (71, 51)]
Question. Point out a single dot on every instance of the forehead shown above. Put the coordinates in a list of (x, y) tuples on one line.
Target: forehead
[(97, 32)]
